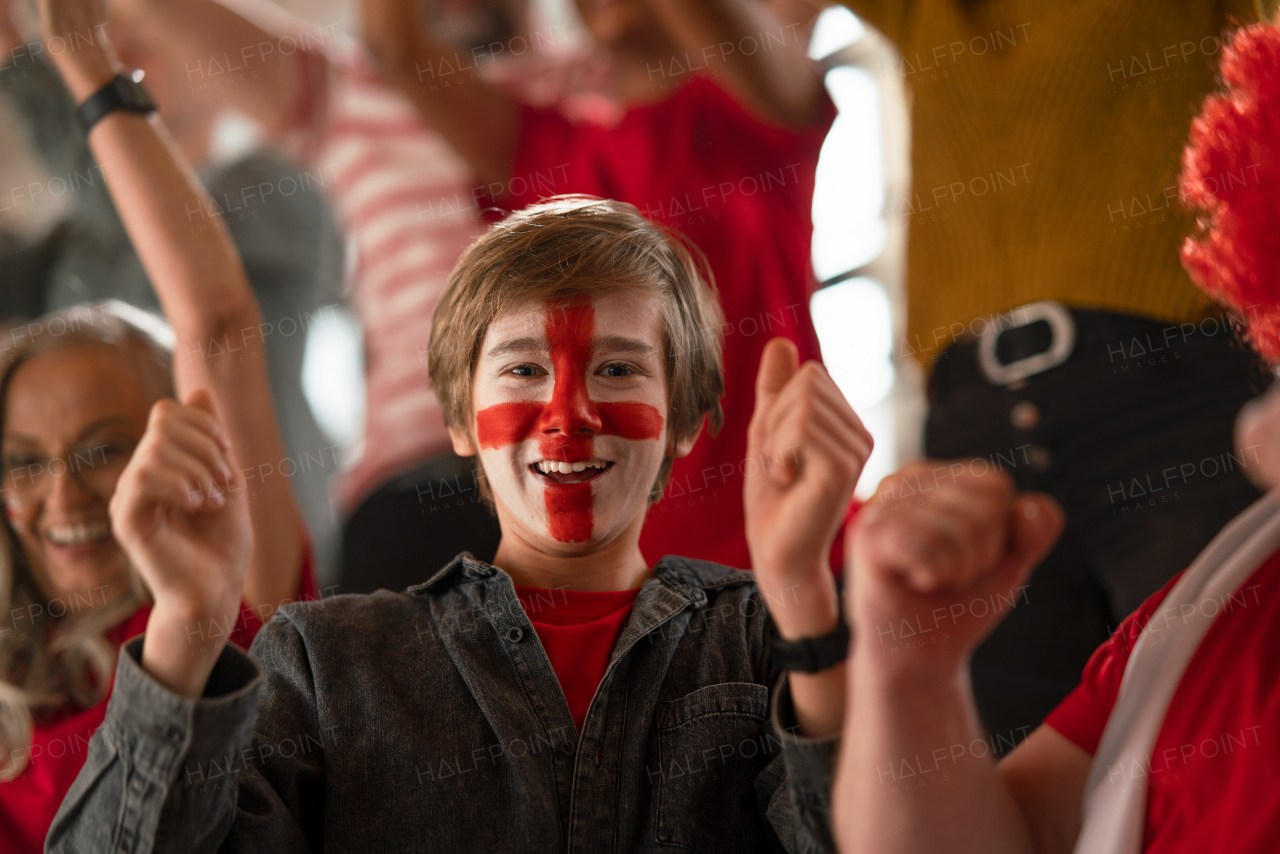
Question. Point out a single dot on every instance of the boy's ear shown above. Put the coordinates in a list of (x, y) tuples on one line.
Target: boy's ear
[(683, 447), (462, 444)]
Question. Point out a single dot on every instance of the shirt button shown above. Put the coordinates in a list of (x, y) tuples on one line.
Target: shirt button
[(1025, 415), (515, 634), (568, 748), (476, 570)]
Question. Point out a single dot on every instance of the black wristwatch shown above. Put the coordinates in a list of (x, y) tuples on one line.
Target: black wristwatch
[(125, 92), (813, 655)]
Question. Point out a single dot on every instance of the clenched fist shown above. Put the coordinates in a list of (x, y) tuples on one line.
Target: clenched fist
[(177, 514), (806, 449), (924, 557)]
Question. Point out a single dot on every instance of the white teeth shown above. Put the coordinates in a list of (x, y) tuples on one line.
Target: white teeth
[(550, 467), (78, 533)]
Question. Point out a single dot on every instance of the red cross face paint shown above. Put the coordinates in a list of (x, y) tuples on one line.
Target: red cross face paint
[(570, 402)]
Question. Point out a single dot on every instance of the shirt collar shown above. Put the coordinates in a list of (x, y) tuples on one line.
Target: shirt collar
[(687, 577)]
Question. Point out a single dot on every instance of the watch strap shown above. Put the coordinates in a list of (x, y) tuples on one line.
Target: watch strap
[(122, 93), (813, 655)]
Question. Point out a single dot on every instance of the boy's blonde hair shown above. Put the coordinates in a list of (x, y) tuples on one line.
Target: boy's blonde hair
[(574, 246)]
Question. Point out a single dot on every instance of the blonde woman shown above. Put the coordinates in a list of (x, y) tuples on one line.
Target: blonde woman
[(88, 413)]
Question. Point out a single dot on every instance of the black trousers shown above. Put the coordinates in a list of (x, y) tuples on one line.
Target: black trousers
[(1133, 435), (414, 525)]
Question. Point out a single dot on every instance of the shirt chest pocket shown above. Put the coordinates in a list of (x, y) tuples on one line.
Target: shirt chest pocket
[(713, 742)]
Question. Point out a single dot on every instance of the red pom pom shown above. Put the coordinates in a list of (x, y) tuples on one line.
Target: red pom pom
[(1231, 179)]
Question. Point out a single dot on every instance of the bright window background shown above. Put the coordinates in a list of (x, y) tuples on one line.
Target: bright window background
[(852, 254), (333, 375), (848, 229)]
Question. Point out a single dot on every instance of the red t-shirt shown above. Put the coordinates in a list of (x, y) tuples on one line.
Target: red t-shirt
[(578, 631), (742, 191), (1211, 778), (60, 744)]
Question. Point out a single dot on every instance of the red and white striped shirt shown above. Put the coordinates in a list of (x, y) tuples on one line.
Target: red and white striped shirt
[(408, 209)]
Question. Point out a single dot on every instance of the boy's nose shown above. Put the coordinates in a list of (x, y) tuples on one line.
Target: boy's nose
[(570, 410)]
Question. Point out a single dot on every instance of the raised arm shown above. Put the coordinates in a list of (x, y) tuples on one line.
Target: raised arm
[(202, 289), (775, 79), (802, 13), (909, 779), (258, 36), (478, 120), (808, 449)]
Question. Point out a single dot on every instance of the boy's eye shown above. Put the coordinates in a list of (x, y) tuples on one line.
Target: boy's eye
[(618, 370), (526, 370)]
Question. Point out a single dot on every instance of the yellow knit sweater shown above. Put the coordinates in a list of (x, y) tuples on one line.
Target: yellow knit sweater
[(1046, 142)]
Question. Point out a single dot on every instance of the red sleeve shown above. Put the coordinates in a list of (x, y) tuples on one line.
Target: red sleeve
[(1083, 715), (249, 623)]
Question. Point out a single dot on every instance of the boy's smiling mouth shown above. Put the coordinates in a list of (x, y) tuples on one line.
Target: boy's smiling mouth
[(582, 471)]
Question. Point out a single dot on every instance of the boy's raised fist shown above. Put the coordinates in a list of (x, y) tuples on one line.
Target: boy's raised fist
[(806, 449)]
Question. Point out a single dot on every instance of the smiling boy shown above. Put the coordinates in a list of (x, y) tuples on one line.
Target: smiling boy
[(568, 696)]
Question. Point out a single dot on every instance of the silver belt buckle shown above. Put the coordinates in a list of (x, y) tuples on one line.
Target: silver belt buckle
[(1062, 342)]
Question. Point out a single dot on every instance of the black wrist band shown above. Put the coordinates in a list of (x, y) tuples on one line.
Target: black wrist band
[(813, 655), (124, 92)]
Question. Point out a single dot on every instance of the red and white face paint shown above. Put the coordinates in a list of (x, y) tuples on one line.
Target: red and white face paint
[(570, 401)]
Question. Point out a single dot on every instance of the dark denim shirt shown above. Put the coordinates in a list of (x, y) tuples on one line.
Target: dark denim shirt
[(432, 720)]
